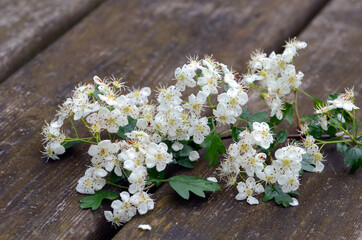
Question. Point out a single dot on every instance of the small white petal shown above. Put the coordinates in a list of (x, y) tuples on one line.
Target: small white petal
[(145, 227), (294, 203), (212, 179)]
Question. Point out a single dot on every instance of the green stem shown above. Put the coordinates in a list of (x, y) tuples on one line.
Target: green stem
[(75, 130), (225, 132), (116, 185), (335, 141), (89, 128), (305, 93), (295, 103), (242, 177), (158, 180)]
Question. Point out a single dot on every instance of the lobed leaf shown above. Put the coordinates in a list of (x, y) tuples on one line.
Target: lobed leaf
[(95, 200), (183, 185)]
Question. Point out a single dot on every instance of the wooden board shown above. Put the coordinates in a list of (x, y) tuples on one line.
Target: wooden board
[(141, 41), (29, 26), (330, 202)]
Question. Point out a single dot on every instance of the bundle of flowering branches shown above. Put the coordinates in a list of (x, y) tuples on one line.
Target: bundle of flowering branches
[(133, 139)]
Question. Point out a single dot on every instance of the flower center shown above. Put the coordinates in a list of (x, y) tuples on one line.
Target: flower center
[(88, 183), (104, 152), (286, 162), (248, 192), (200, 128), (159, 157), (233, 101)]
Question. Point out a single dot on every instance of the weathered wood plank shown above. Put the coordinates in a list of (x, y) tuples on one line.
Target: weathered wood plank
[(140, 40), (330, 202), (29, 26)]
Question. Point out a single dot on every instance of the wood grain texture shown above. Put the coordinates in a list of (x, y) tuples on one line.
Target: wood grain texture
[(330, 202), (29, 26), (142, 41)]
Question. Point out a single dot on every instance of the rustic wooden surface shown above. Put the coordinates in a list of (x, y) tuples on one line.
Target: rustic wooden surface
[(142, 41), (28, 26), (330, 202)]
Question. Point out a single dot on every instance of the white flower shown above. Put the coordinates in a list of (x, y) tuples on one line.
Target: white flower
[(343, 102), (126, 108), (246, 191), (112, 120), (199, 129), (262, 135), (288, 160), (115, 218), (276, 106), (185, 77), (253, 164), (143, 202), (224, 115), (308, 141), (194, 156), (177, 146), (208, 81), (289, 181), (105, 149), (195, 104), (317, 158), (90, 182), (158, 156), (269, 174), (53, 149), (167, 97), (250, 78), (82, 107), (234, 99), (131, 159), (124, 208), (139, 96), (137, 179), (323, 122)]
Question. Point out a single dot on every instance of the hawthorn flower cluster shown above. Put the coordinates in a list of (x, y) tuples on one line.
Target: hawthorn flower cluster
[(103, 108), (133, 137), (276, 74), (247, 157)]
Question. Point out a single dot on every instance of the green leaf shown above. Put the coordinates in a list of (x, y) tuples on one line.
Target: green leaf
[(115, 178), (154, 174), (226, 87), (245, 113), (128, 128), (95, 200), (96, 93), (185, 162), (310, 118), (214, 146), (183, 185), (307, 161), (275, 120), (234, 133), (331, 131), (288, 113), (268, 194), (280, 197), (353, 157), (282, 136), (257, 117), (317, 102), (342, 147), (333, 96), (315, 131), (70, 144)]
